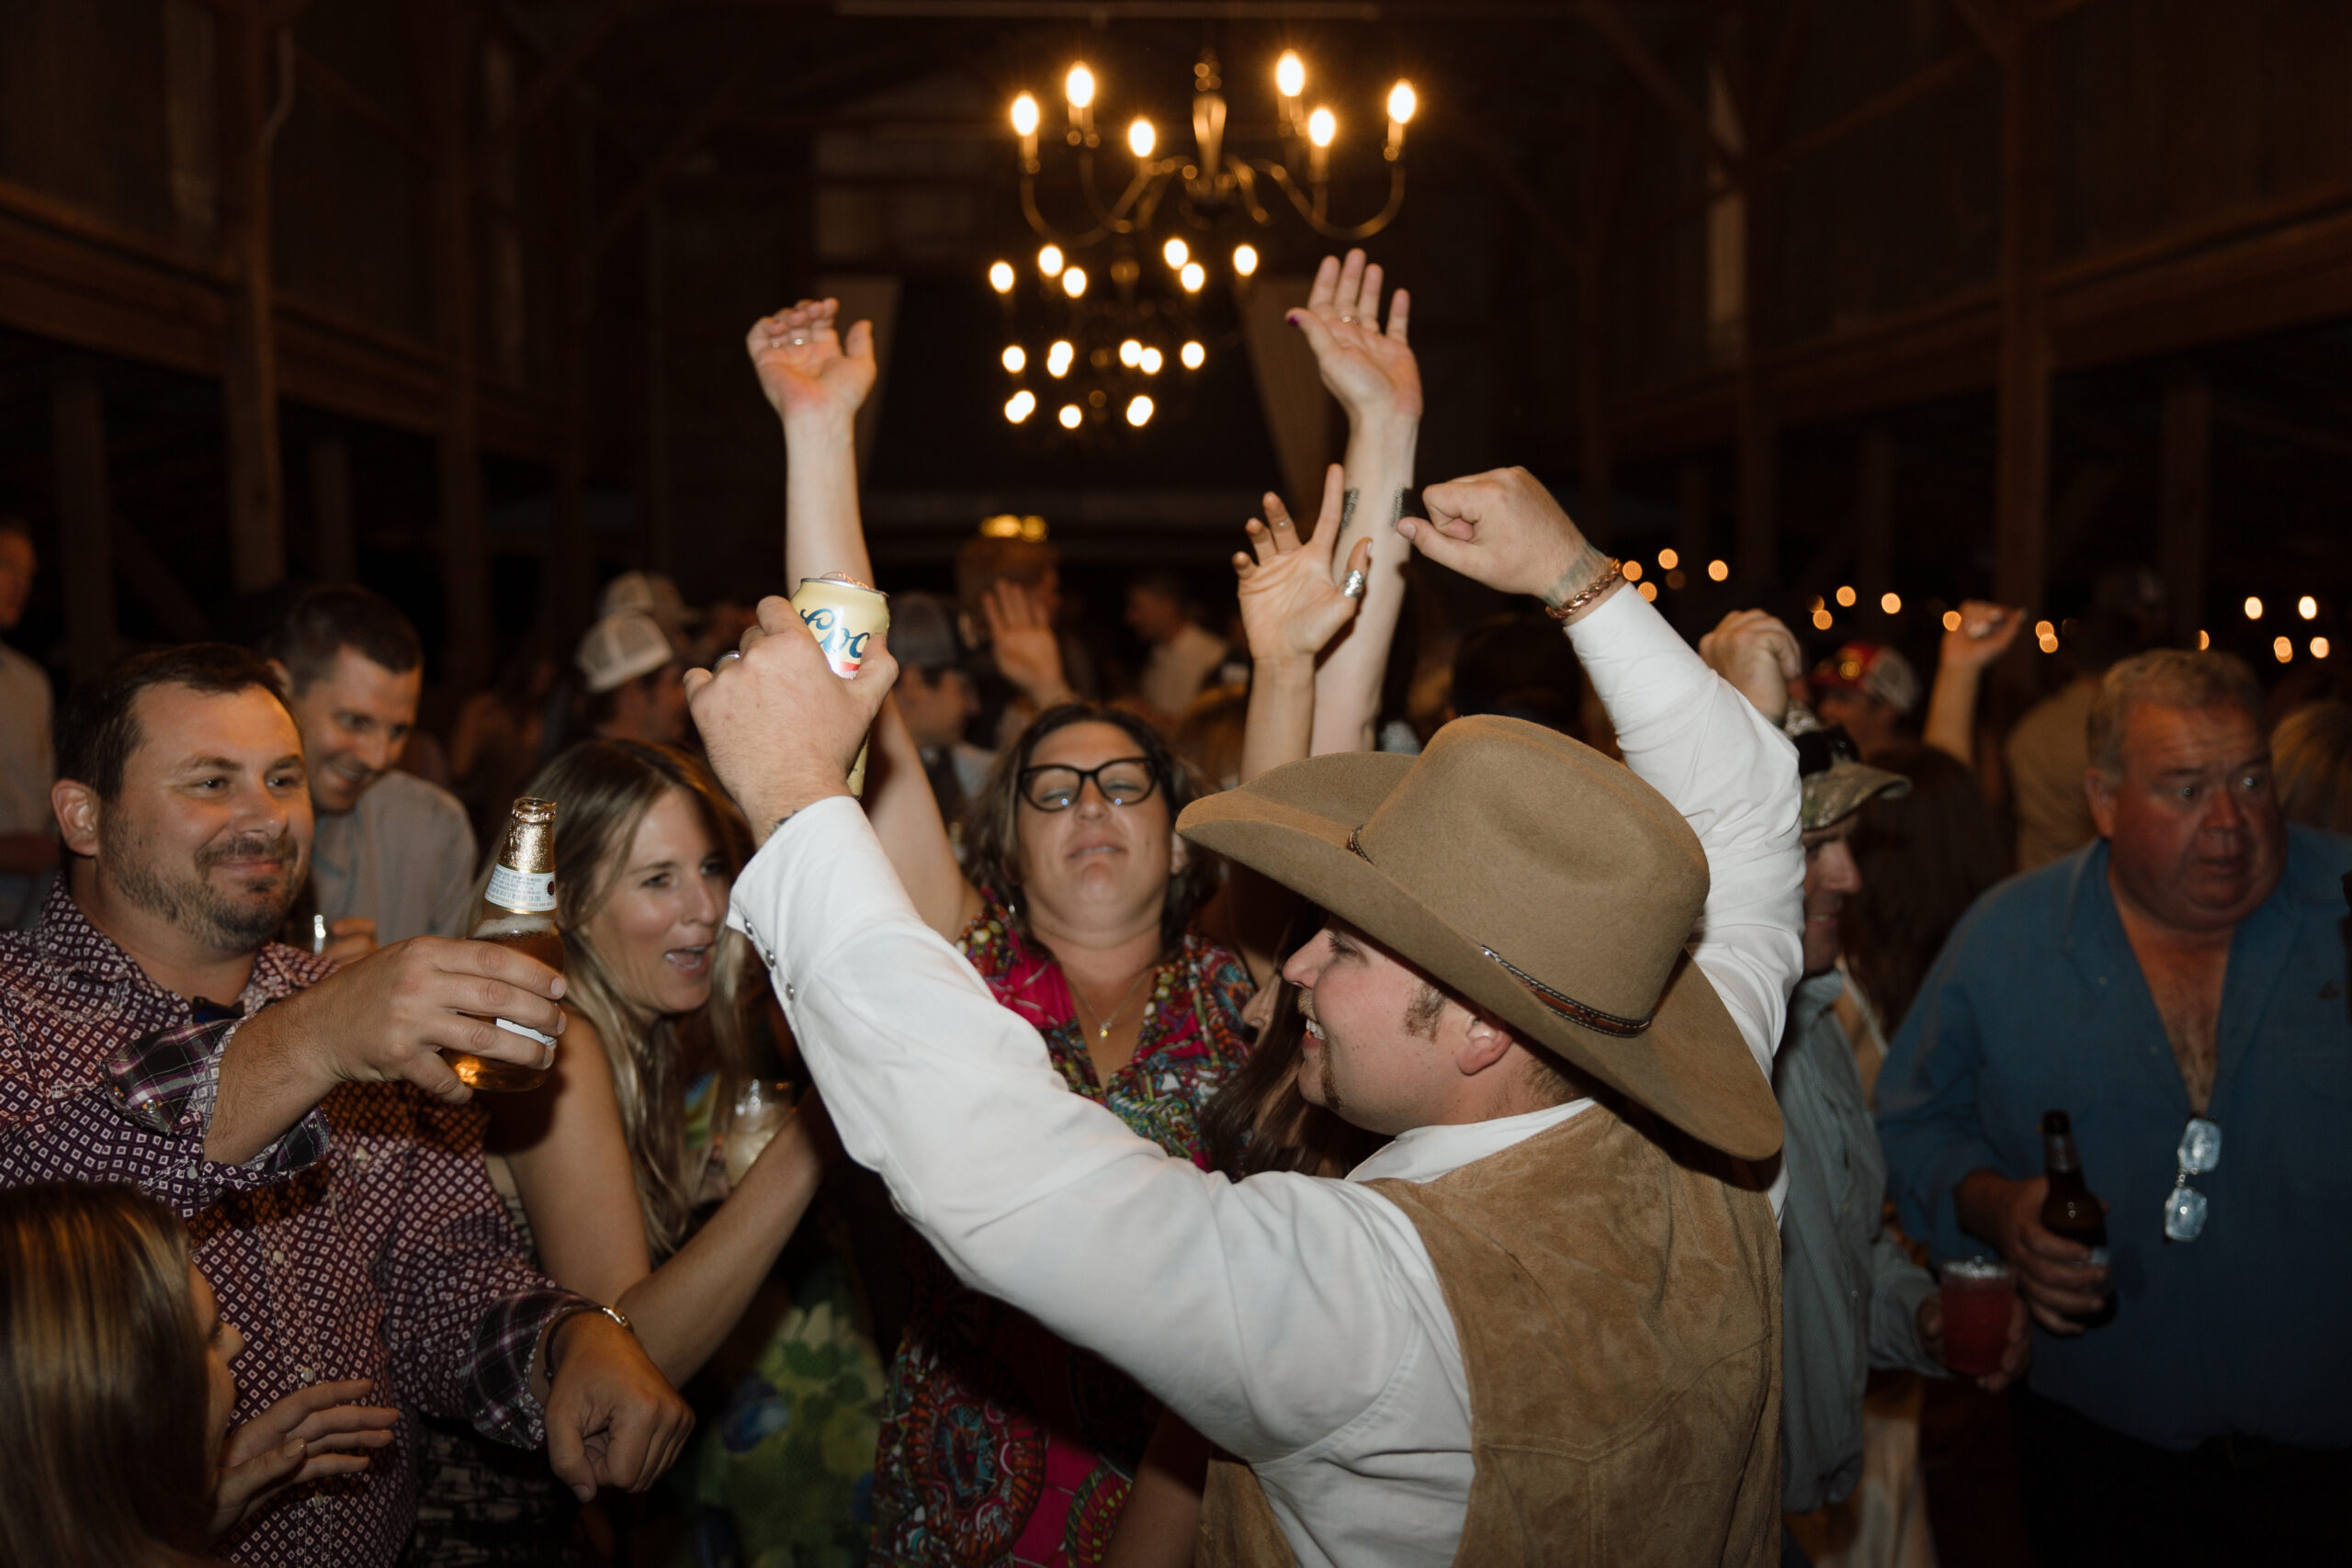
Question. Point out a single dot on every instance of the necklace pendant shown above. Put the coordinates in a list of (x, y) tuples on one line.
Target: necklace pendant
[(1104, 1032)]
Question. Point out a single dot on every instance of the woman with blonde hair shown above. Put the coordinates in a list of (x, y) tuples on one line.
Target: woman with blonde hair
[(116, 1392), (663, 1004)]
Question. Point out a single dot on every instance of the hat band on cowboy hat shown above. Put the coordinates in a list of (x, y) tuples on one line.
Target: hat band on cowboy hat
[(1533, 879)]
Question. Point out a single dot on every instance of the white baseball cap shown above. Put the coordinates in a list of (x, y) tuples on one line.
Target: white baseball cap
[(620, 648)]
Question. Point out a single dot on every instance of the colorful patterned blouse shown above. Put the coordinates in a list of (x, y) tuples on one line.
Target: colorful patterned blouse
[(1002, 1445)]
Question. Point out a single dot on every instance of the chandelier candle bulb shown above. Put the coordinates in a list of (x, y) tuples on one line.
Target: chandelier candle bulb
[(1245, 260), (1058, 359), (1141, 138), (1049, 261), (1139, 411), (2307, 607), (1151, 359), (844, 615), (1001, 277), (1016, 358), (1131, 353), (2253, 608), (1078, 88), (1070, 417), (1193, 276), (1401, 104), (1020, 405), (1290, 74), (1074, 281)]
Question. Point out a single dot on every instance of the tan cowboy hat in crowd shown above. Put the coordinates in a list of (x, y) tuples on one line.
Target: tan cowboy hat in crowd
[(1531, 876)]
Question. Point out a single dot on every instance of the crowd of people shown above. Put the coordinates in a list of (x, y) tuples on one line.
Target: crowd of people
[(1306, 1099)]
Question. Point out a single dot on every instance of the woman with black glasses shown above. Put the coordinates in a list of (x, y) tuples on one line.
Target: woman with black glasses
[(1077, 904)]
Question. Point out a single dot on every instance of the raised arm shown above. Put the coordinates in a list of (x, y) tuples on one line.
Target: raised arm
[(1983, 634), (1291, 609), (1377, 382), (816, 377), (1682, 728)]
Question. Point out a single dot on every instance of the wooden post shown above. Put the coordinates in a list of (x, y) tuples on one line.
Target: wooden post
[(1694, 530), (653, 499), (1596, 475), (568, 565), (249, 361), (441, 45), (338, 535), (2021, 395), (2183, 492), (84, 514), (1756, 419), (1875, 517)]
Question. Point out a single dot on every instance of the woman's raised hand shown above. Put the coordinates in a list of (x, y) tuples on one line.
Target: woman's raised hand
[(1371, 372), (1983, 634), (807, 367), (312, 1432), (1290, 606)]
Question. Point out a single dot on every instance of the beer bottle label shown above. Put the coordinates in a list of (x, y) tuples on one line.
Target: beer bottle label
[(512, 1027), (525, 892)]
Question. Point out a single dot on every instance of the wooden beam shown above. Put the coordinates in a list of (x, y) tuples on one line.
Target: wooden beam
[(557, 74), (1951, 68), (256, 483), (2021, 394), (84, 514), (1605, 19), (689, 136), (1756, 414), (2184, 500), (337, 546)]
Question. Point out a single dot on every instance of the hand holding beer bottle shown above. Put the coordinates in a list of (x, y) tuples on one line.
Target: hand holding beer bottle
[(2066, 1283), (518, 910)]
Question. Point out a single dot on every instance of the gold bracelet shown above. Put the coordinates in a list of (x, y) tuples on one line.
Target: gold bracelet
[(1587, 594)]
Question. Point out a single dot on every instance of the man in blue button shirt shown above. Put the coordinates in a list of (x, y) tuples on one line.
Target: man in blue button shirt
[(2189, 962)]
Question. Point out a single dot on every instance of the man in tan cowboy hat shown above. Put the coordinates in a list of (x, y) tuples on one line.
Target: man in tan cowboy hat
[(1539, 1326)]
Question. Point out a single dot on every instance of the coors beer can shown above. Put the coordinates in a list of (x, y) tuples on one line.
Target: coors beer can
[(843, 614)]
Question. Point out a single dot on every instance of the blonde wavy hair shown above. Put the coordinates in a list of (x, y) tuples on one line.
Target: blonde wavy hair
[(603, 790)]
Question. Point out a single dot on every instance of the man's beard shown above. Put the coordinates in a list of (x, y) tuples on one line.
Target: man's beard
[(193, 904)]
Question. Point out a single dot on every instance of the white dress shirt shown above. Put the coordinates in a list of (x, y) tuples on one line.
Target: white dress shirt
[(1295, 1322)]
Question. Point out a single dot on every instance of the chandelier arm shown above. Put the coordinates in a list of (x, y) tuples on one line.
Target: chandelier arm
[(1245, 179), (1322, 225), (1046, 230)]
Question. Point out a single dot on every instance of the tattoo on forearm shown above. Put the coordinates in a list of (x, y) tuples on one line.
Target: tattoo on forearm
[(1397, 511), (1579, 576), (1347, 512)]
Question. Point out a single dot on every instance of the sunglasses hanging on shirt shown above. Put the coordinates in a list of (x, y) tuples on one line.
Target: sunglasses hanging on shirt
[(2200, 1153)]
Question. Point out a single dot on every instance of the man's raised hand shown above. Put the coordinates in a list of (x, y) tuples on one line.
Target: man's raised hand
[(1759, 655), (1371, 372), (781, 728), (1290, 607), (1503, 529), (805, 366)]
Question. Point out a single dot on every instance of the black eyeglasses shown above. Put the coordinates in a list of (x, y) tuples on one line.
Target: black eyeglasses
[(1818, 750), (1123, 781)]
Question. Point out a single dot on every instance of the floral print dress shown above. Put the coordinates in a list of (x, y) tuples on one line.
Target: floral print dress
[(1002, 1446)]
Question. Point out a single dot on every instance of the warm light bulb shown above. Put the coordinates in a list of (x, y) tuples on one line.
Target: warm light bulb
[(1668, 560), (1058, 359), (1632, 571), (1890, 603), (1192, 277), (1016, 358), (2253, 608), (1648, 590), (1049, 261), (1074, 281), (1177, 252), (1845, 596), (1290, 74), (1079, 87), (1142, 138), (2282, 649), (2049, 644), (1245, 260), (1024, 115), (1820, 619), (1194, 356), (1001, 277), (1322, 127), (1151, 359), (1069, 416), (2307, 607), (1951, 620), (1130, 354), (1717, 570), (1020, 405), (2044, 629), (2319, 648), (1138, 411), (1401, 102), (2204, 641)]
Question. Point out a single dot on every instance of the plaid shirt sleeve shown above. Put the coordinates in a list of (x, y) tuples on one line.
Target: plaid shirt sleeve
[(143, 1121), (464, 1305)]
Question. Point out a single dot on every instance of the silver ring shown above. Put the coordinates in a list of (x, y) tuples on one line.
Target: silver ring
[(730, 653), (1351, 585), (1350, 319), (796, 341)]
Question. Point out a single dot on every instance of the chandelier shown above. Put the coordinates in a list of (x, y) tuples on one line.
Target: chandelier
[(1106, 350)]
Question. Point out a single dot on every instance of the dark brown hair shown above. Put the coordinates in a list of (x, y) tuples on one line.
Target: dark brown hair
[(105, 1395), (992, 828), (1259, 1121), (96, 729), (326, 621), (603, 790), (1924, 859)]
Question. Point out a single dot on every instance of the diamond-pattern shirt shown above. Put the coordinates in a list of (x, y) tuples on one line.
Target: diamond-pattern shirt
[(367, 1242)]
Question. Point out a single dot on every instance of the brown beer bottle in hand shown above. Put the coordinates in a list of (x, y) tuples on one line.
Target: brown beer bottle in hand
[(518, 910), (2070, 1210)]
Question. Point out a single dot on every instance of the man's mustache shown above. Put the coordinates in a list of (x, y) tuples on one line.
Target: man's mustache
[(279, 847)]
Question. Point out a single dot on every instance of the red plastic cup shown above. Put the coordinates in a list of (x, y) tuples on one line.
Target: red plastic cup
[(1976, 1296)]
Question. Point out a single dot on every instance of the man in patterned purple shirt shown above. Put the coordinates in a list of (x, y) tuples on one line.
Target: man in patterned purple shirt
[(305, 1123)]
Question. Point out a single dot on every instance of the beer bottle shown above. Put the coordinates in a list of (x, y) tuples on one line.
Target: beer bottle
[(518, 910), (2070, 1209)]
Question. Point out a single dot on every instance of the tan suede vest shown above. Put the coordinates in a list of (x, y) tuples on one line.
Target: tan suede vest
[(1619, 1309)]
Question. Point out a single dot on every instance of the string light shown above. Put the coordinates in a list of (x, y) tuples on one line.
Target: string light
[(1890, 603), (2049, 642), (1820, 619), (1001, 277), (1049, 261), (1668, 560), (1131, 353), (1070, 416), (2204, 641), (1020, 405), (1016, 358), (1717, 570), (1648, 590), (1632, 571), (1951, 620), (1138, 411), (2043, 631), (1176, 251), (1245, 260), (1074, 281), (2282, 649), (2319, 648), (1192, 277), (1151, 359), (2307, 607), (1194, 356), (1057, 358), (2253, 608), (1845, 596)]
